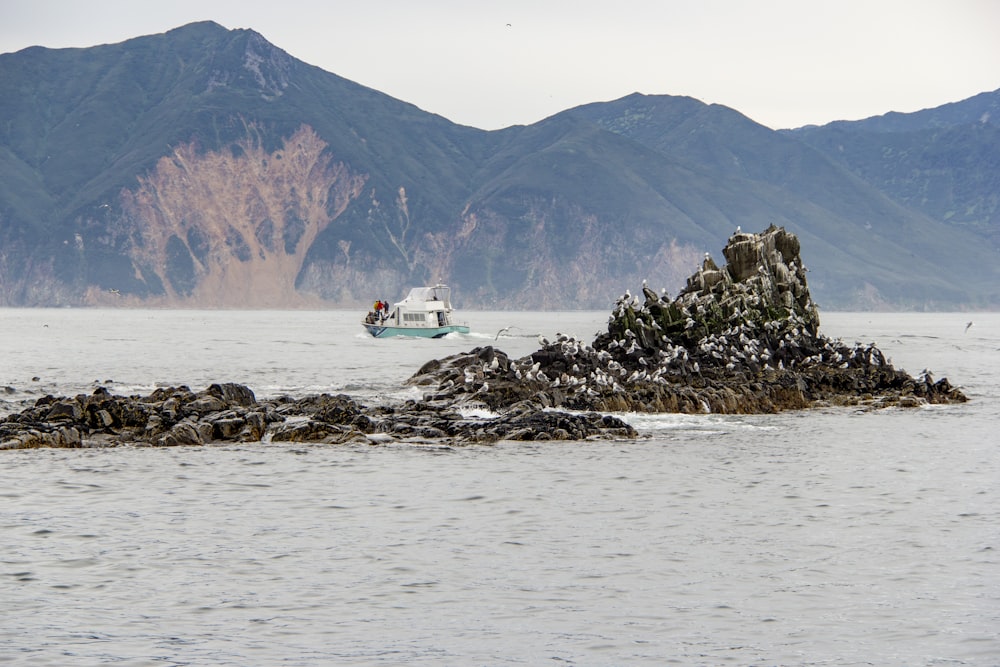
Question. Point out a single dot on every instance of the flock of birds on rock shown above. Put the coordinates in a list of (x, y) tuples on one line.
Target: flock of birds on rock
[(719, 332), (744, 351), (585, 372), (724, 327)]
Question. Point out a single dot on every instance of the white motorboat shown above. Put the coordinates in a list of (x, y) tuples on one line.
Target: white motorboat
[(425, 312)]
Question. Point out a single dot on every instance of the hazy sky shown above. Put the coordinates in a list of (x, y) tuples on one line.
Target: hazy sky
[(495, 63)]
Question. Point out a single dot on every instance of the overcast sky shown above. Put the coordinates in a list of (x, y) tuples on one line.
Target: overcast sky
[(495, 63)]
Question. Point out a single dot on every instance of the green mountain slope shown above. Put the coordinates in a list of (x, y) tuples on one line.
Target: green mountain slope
[(943, 162), (869, 241)]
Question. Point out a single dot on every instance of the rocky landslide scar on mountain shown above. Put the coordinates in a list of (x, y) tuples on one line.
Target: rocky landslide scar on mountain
[(236, 225)]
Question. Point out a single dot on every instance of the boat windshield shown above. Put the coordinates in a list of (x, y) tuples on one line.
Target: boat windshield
[(436, 293)]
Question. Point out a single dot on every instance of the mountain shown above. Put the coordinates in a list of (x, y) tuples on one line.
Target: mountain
[(201, 166), (943, 162), (869, 242), (205, 167)]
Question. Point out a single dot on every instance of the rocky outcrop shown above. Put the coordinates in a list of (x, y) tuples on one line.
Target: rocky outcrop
[(230, 413), (743, 338)]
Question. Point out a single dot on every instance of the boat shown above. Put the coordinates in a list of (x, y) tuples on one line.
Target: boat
[(425, 312)]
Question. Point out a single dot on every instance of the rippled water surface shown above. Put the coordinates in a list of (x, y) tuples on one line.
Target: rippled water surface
[(833, 537)]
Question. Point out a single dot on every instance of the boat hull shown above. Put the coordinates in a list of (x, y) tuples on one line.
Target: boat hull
[(385, 331)]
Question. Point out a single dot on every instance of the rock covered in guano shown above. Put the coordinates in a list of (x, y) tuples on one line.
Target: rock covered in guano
[(743, 338)]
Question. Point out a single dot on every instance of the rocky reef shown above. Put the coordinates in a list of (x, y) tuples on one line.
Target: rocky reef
[(743, 338), (231, 413)]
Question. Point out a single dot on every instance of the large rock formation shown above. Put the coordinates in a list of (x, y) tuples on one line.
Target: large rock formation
[(743, 338)]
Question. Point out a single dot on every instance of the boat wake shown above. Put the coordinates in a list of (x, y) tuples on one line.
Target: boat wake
[(514, 332)]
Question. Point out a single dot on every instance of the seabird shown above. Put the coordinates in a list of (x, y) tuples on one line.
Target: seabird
[(967, 327), (505, 329)]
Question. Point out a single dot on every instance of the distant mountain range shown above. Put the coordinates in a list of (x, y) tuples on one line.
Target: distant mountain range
[(205, 167)]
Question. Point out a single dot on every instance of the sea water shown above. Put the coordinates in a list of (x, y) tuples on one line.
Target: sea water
[(819, 537)]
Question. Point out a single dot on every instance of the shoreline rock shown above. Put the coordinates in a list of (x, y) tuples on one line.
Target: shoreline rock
[(230, 413), (741, 339)]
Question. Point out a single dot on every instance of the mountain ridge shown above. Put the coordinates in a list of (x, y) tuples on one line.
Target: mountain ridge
[(943, 162), (115, 162)]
